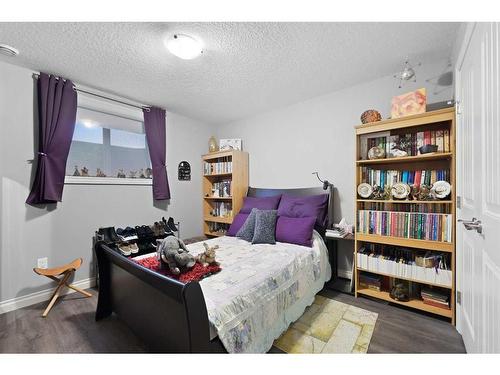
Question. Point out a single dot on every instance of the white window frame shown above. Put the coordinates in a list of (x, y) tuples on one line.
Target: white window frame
[(116, 109)]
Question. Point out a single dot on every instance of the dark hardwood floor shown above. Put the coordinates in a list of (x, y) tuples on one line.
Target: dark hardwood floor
[(71, 328)]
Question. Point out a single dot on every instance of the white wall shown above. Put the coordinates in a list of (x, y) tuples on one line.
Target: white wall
[(64, 233), (288, 144)]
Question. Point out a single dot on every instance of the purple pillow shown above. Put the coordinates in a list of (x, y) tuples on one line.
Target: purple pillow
[(238, 221), (309, 206), (296, 230), (262, 203)]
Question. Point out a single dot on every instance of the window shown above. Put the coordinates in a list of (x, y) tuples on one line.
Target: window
[(108, 148)]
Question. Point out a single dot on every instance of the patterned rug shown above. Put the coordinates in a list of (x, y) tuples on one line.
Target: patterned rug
[(329, 326)]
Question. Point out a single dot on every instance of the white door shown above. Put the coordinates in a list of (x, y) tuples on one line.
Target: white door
[(478, 184)]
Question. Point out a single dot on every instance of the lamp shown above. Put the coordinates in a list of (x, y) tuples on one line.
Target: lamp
[(184, 46), (328, 186), (325, 183)]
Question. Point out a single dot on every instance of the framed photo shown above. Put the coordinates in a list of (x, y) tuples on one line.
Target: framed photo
[(230, 144), (408, 104)]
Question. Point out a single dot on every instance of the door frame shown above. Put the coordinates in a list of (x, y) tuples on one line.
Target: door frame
[(464, 46)]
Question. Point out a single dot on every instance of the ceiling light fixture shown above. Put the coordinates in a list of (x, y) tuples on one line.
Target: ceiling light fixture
[(184, 46), (8, 50)]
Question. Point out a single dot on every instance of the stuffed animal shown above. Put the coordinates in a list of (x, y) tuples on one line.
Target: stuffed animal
[(208, 256), (174, 254)]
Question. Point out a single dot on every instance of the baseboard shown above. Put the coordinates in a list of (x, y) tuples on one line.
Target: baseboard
[(43, 295)]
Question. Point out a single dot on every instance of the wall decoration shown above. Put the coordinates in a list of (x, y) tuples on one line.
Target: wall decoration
[(411, 103), (212, 144), (370, 115), (230, 144), (184, 171)]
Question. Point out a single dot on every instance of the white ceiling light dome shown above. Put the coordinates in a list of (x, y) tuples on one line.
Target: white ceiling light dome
[(184, 46)]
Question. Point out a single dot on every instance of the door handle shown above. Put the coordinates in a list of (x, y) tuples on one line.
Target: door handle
[(473, 224)]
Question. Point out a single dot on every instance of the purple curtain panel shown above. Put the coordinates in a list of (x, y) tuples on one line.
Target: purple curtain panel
[(154, 124), (57, 102)]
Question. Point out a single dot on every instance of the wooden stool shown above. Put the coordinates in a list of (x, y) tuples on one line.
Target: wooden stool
[(65, 271)]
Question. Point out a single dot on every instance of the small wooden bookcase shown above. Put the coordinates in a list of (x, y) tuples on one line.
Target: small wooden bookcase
[(443, 119), (225, 184)]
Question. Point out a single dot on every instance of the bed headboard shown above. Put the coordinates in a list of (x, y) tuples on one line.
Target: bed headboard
[(298, 192)]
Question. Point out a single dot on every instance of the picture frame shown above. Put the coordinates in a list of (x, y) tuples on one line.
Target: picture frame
[(230, 144)]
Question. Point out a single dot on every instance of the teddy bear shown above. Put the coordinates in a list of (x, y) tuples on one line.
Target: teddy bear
[(173, 253), (208, 256)]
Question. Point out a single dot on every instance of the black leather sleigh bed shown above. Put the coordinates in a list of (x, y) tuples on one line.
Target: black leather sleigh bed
[(169, 316)]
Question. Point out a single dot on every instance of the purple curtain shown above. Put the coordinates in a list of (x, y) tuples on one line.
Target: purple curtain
[(154, 124), (56, 119)]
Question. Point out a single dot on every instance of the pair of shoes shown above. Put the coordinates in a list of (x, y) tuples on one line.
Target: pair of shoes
[(127, 232), (144, 232), (146, 247), (108, 235), (170, 224), (128, 249)]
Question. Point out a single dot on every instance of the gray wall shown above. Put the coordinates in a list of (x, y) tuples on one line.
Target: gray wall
[(288, 144), (64, 232)]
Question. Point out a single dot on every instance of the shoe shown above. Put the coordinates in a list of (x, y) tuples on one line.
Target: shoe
[(125, 249), (108, 235), (134, 249), (171, 225)]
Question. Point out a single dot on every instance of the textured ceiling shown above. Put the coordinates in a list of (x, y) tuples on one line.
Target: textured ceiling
[(246, 68)]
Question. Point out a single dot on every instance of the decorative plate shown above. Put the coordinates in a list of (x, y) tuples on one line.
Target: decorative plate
[(376, 153), (400, 190), (441, 189), (365, 190)]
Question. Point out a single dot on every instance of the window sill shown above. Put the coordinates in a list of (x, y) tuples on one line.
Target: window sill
[(75, 180)]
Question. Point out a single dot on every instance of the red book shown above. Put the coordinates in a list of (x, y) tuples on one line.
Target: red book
[(427, 137), (436, 304), (418, 177)]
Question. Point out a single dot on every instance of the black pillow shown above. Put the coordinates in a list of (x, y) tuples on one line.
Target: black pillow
[(247, 229), (265, 227)]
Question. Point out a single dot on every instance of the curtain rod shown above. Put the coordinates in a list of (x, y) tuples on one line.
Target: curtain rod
[(146, 107)]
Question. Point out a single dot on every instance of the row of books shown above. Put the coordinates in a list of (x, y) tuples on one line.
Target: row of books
[(430, 295), (388, 177), (224, 166), (410, 142), (370, 281), (406, 263), (436, 208), (422, 226), (222, 209), (221, 189), (435, 297)]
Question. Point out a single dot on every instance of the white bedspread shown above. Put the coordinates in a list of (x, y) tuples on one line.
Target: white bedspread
[(261, 289)]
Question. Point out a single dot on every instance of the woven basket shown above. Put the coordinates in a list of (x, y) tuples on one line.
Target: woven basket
[(370, 115)]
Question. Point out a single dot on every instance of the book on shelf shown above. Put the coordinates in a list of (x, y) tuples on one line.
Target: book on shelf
[(409, 142), (222, 209), (414, 225), (435, 297), (221, 189), (389, 177), (222, 165)]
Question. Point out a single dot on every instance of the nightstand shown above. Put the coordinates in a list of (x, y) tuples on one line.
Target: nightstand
[(338, 283)]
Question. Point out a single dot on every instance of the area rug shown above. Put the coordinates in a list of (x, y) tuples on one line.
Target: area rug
[(329, 326)]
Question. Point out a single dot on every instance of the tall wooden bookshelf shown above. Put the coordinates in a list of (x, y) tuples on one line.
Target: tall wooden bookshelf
[(227, 170), (429, 121)]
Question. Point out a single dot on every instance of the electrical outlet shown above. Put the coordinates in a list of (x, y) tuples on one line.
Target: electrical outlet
[(43, 263)]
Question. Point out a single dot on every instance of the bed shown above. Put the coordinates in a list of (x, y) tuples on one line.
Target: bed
[(243, 309)]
